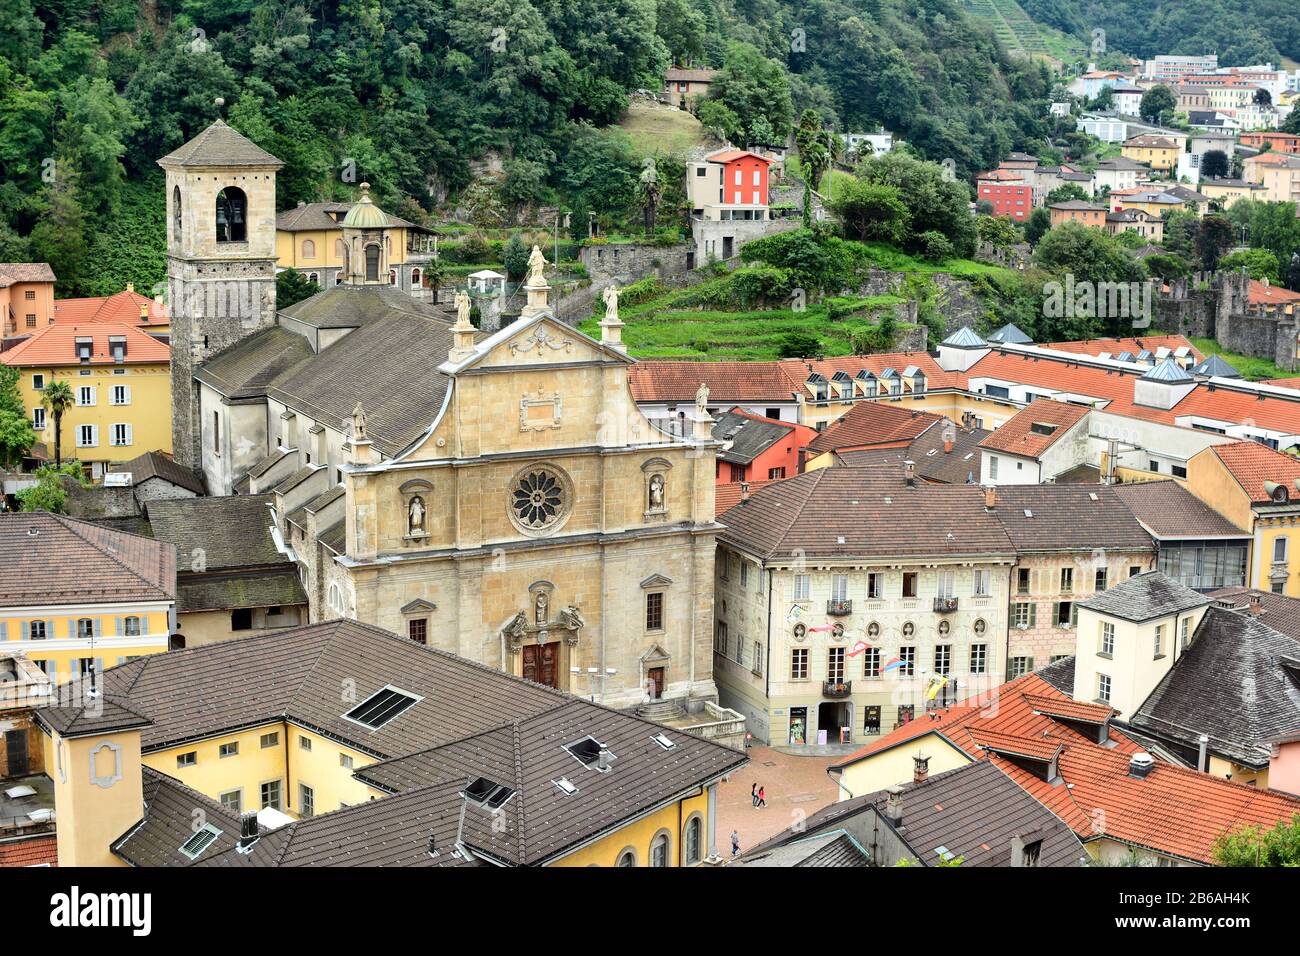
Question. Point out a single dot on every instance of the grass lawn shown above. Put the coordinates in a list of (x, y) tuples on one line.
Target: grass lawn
[(1251, 369), (654, 128)]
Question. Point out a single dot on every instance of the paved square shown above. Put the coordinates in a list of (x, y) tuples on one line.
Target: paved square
[(796, 788)]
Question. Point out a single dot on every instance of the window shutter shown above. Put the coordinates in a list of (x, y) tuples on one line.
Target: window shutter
[(118, 624), (1033, 613), (1056, 612), (1074, 614), (49, 628), (129, 438), (126, 394), (96, 627), (27, 628), (72, 628)]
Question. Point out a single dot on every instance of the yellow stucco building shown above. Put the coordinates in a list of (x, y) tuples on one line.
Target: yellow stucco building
[(77, 598), (121, 388), (434, 755), (1258, 489), (1156, 151)]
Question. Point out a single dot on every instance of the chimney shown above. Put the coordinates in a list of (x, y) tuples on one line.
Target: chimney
[(1256, 605), (744, 491), (990, 499), (1203, 753), (909, 473), (602, 759), (947, 446), (130, 287), (920, 769), (432, 846), (247, 830), (894, 806), (1140, 765), (1017, 851)]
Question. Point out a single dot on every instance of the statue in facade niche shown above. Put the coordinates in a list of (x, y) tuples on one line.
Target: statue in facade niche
[(541, 605), (415, 516), (657, 493)]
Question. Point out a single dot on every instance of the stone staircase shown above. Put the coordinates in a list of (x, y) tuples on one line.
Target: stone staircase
[(660, 710)]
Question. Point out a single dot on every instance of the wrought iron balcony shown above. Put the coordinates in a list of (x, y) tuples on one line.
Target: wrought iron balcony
[(839, 608), (945, 605), (837, 688)]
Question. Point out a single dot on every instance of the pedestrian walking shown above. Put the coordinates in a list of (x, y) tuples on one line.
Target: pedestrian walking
[(753, 796), (735, 842), (762, 797)]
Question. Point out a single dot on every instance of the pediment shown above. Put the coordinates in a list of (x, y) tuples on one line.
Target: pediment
[(655, 655), (419, 606), (656, 581)]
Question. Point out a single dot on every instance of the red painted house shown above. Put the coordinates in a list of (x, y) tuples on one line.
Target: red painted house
[(730, 181), (761, 449), (1007, 192)]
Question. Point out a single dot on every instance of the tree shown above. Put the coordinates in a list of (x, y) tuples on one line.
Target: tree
[(514, 256), (649, 192), (799, 345), (997, 231), (936, 203), (1214, 238), (1163, 265), (57, 399), (869, 211), (1037, 225), (48, 493), (751, 86), (1260, 264), (814, 156), (1255, 846), (292, 286), (16, 433), (1215, 164), (1066, 193), (1263, 97), (1157, 104)]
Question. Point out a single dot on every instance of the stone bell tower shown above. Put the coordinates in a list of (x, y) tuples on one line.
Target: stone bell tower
[(220, 261)]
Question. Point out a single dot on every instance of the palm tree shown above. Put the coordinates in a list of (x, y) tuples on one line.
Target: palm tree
[(57, 400)]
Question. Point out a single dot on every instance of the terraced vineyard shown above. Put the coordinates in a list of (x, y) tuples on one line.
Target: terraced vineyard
[(1018, 32)]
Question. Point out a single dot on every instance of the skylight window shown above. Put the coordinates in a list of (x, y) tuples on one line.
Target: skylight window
[(200, 841), (1029, 513), (488, 794), (663, 741), (565, 787), (381, 707), (590, 753)]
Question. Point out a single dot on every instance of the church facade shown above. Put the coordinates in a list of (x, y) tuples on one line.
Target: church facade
[(500, 497)]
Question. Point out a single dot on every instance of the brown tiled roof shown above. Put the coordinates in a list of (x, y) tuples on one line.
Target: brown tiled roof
[(728, 382), (1279, 612), (470, 721), (220, 145), (873, 423), (728, 496), (927, 454), (11, 272), (1065, 517), (1168, 510), (675, 73), (50, 560), (876, 515), (1018, 435), (157, 464)]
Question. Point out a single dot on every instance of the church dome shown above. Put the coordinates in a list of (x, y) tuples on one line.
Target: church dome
[(365, 214)]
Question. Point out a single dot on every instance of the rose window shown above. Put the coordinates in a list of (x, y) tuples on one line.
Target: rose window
[(537, 500)]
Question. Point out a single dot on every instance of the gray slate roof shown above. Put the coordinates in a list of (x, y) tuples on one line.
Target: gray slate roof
[(749, 436), (1010, 335), (227, 532), (965, 338), (1238, 683), (964, 810), (246, 589), (154, 464), (1215, 365), (352, 306), (927, 454), (245, 369), (1145, 597), (830, 849), (1168, 371), (220, 145)]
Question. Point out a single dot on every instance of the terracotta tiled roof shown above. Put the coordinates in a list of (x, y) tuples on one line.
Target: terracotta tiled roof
[(1261, 293), (57, 345), (1168, 510), (874, 423), (728, 155), (1113, 347), (1252, 464), (126, 307), (728, 382), (1035, 428), (35, 851), (798, 370), (1173, 810), (1284, 382), (1070, 709), (727, 496), (1036, 748)]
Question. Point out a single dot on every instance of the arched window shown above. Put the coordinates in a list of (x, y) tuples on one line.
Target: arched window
[(392, 277), (659, 850), (176, 213), (308, 249), (232, 215), (313, 277), (691, 840), (415, 278), (627, 857), (372, 263)]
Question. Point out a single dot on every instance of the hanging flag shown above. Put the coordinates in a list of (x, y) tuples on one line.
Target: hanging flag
[(796, 615), (891, 663), (820, 628), (859, 648), (937, 684)]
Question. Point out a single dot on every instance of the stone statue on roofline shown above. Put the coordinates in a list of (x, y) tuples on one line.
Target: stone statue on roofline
[(610, 295), (536, 265), (702, 399), (462, 308)]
